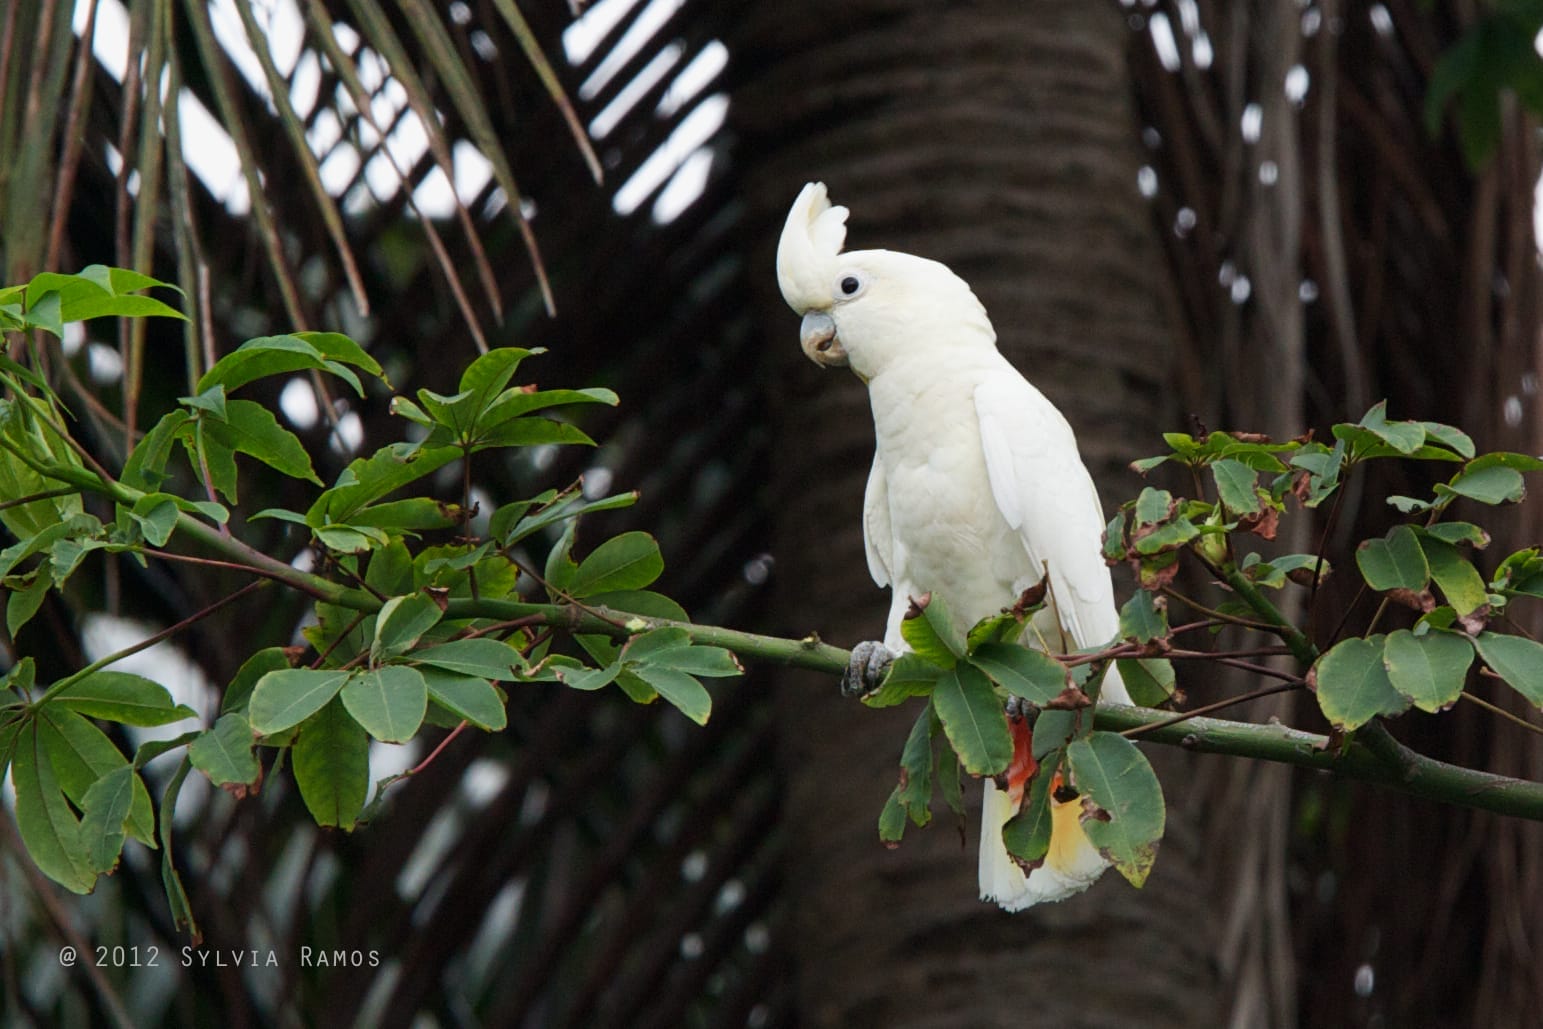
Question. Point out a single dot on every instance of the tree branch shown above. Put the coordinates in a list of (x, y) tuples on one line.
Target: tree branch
[(1371, 756)]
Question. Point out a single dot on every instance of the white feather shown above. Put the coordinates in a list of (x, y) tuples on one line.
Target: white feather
[(1045, 494)]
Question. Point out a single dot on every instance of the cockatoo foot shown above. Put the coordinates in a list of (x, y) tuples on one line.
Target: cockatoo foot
[(865, 671)]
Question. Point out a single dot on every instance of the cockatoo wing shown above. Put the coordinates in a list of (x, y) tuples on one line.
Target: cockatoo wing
[(878, 538), (1046, 495)]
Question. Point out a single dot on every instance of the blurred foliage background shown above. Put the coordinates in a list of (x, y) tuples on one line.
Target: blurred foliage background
[(1258, 215)]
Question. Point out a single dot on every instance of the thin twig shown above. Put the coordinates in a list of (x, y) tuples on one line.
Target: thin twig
[(1496, 709), (1213, 614), (1184, 716)]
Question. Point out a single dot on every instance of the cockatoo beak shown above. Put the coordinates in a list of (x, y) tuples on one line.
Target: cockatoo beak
[(817, 337)]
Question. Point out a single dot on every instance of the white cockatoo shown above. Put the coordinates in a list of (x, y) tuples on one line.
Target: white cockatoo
[(977, 489)]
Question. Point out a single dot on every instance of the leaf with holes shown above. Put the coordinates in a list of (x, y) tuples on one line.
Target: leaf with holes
[(1123, 811)]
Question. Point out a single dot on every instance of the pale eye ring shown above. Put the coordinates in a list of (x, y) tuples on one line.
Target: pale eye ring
[(850, 285)]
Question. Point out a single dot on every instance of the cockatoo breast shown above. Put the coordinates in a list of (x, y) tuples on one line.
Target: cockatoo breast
[(944, 539)]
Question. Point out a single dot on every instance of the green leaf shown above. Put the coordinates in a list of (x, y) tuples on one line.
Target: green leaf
[(46, 313), (516, 403), (48, 826), (1114, 538), (999, 628), (22, 604), (211, 400), (390, 571), (973, 720), (529, 432), (331, 758), (1144, 617), (916, 769), (1167, 536), (560, 566), (343, 539), (1405, 437), (288, 696), (1457, 532), (1495, 484), (627, 562), (367, 479), (640, 602), (1027, 834), (1394, 562), (106, 811), (482, 657), (1153, 506), (949, 781), (475, 700), (1274, 572), (646, 645), (156, 515), (1506, 459), (277, 355), (712, 662), (510, 524), (1150, 681), (1127, 827), (930, 631), (679, 689), (250, 428), (171, 882), (400, 623), (123, 697), (1236, 485), (1458, 440), (269, 659), (485, 378), (907, 676), (589, 679), (146, 468), (892, 820), (101, 292), (411, 513), (1517, 660), (1021, 671), (1459, 580), (80, 754), (389, 702), (1429, 670), (1353, 684), (224, 752)]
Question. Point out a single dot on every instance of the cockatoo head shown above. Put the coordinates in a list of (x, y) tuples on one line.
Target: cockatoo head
[(866, 308)]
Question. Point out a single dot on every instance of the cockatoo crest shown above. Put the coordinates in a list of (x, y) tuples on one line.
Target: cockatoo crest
[(806, 256)]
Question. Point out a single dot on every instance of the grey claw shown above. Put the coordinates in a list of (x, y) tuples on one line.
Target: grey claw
[(865, 671)]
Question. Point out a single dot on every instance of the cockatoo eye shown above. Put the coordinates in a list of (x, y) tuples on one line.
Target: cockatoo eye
[(851, 285)]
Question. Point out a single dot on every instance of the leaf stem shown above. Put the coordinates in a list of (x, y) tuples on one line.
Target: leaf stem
[(1496, 709)]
